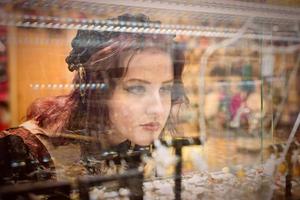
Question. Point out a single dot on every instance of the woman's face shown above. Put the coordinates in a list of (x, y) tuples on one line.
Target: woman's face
[(141, 102)]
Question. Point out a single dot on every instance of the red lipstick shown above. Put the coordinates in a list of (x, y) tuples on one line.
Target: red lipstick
[(152, 126)]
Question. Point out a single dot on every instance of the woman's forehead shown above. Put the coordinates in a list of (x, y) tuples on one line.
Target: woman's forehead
[(150, 64)]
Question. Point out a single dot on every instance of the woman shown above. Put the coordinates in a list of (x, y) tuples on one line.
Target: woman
[(126, 85)]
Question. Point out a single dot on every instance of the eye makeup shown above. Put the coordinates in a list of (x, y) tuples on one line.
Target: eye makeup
[(135, 89)]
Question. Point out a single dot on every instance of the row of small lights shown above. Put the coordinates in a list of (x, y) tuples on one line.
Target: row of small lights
[(139, 27), (68, 20), (56, 22), (65, 86), (125, 29), (157, 31), (93, 86)]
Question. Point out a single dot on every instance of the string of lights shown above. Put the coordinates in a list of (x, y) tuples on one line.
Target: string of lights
[(133, 27)]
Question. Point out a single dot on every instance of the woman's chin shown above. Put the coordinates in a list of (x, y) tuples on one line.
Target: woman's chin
[(146, 139), (143, 141)]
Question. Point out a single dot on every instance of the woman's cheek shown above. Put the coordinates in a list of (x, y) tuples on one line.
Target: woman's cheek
[(129, 113), (126, 113)]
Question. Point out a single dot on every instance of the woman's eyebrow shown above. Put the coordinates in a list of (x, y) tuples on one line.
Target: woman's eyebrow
[(168, 81), (138, 80), (147, 82)]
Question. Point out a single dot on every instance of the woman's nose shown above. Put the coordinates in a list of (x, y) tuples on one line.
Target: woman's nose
[(155, 105)]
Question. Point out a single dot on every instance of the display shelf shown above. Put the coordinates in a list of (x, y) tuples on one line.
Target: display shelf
[(105, 25), (222, 19)]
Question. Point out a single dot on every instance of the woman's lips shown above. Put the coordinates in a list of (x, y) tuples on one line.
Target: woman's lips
[(152, 126)]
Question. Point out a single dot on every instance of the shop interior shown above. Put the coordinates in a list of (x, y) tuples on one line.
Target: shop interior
[(238, 137)]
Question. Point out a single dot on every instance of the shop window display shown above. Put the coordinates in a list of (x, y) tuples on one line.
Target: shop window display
[(174, 102)]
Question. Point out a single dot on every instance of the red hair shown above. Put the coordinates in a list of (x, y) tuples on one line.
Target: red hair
[(51, 113)]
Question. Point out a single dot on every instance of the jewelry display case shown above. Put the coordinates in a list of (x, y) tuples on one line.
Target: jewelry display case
[(236, 138)]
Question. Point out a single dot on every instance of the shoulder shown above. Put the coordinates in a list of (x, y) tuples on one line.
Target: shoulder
[(15, 131), (12, 135), (22, 154), (26, 136)]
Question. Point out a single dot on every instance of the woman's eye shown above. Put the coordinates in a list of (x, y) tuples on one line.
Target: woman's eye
[(138, 89), (166, 89)]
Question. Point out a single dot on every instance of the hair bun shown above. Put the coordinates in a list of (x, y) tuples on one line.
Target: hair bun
[(87, 42)]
